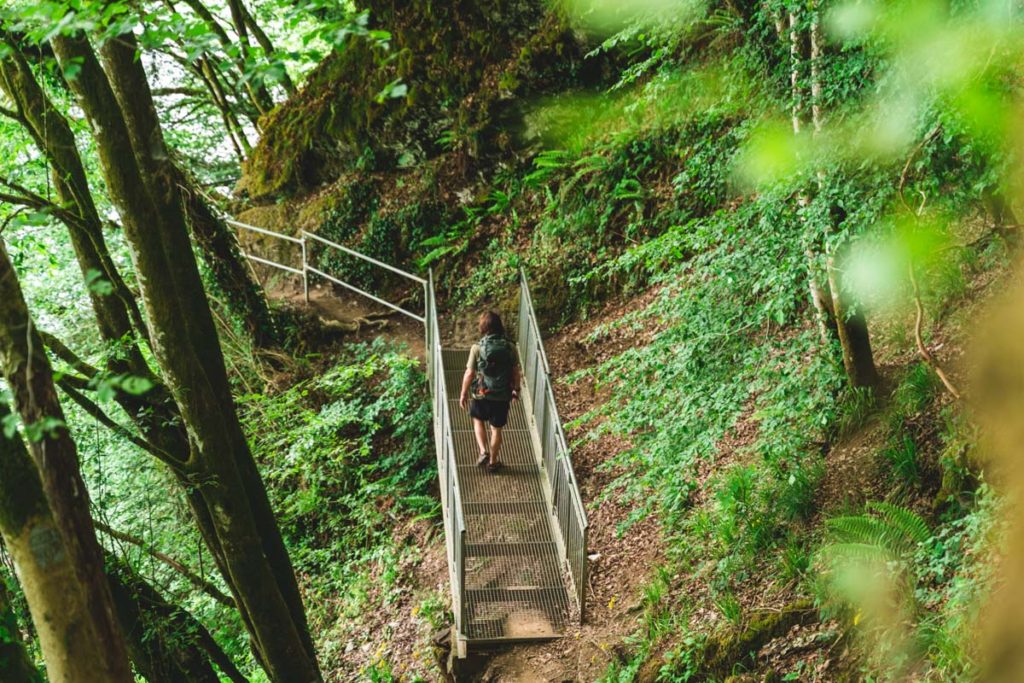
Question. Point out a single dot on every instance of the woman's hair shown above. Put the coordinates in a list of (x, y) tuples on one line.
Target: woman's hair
[(490, 323)]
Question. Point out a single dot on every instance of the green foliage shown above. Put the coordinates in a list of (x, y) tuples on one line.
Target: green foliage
[(344, 454), (891, 529), (901, 454), (916, 391), (911, 591)]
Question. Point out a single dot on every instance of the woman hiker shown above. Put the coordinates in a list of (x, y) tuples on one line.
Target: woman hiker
[(492, 380)]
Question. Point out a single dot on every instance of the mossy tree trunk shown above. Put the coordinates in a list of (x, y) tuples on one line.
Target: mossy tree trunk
[(166, 643), (44, 513), (155, 414), (231, 275), (143, 183)]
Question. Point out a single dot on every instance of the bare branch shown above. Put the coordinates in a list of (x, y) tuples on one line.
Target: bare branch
[(196, 580), (61, 350), (922, 350), (69, 388)]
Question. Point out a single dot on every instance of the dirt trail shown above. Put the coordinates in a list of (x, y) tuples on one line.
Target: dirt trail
[(336, 304)]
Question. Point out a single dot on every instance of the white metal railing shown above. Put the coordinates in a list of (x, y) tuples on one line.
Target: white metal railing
[(566, 502), (451, 496), (305, 269), (444, 444)]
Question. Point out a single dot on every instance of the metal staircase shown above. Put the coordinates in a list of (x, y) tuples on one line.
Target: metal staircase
[(516, 538)]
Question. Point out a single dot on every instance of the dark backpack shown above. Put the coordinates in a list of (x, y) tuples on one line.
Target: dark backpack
[(494, 369)]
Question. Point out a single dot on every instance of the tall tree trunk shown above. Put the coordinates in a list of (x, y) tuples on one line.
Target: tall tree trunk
[(232, 277), (143, 183), (155, 414), (46, 521), (818, 298), (166, 643), (851, 324), (117, 316), (15, 664)]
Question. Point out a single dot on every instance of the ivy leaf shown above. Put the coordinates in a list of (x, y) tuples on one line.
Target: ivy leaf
[(136, 386), (97, 284)]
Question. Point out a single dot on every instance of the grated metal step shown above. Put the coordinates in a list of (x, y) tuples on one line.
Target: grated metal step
[(514, 584), (516, 447), (512, 483), (509, 522), (516, 613)]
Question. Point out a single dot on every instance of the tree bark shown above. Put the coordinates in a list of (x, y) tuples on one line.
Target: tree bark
[(166, 643), (232, 277), (858, 359), (144, 185), (15, 664), (45, 513)]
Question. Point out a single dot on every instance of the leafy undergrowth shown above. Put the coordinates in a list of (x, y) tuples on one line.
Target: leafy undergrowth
[(348, 462), (737, 482)]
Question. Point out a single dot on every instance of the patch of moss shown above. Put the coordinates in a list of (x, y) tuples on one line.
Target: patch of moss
[(443, 52), (722, 655)]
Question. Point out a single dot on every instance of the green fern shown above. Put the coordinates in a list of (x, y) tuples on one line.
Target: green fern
[(847, 553), (895, 530), (909, 523)]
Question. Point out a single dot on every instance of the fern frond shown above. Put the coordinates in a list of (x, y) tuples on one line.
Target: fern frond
[(861, 553), (909, 523), (859, 529)]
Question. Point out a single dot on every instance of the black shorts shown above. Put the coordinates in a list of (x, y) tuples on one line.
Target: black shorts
[(495, 412)]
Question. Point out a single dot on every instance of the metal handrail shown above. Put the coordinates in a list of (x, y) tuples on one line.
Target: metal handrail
[(368, 259), (454, 517), (566, 504), (394, 307), (306, 269)]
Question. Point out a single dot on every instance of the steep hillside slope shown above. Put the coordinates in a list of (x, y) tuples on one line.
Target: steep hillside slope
[(741, 484)]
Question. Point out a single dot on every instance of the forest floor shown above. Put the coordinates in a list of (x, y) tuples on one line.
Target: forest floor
[(624, 563)]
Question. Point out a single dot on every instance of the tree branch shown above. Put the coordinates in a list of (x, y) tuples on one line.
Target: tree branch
[(61, 350), (196, 580), (925, 354), (922, 350), (69, 388), (26, 197)]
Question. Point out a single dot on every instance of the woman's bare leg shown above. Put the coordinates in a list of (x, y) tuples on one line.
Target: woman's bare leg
[(495, 443), (480, 431)]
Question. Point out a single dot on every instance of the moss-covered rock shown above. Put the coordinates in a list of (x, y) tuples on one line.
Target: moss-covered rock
[(727, 655), (459, 60)]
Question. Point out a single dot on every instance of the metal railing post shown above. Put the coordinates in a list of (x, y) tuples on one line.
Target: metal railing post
[(305, 272)]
